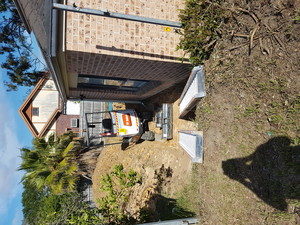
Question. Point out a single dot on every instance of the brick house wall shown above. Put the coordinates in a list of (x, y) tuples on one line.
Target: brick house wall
[(124, 49), (109, 36), (63, 124), (166, 74), (107, 47)]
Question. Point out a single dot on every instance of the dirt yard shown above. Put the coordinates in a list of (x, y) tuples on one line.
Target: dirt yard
[(149, 158), (250, 118)]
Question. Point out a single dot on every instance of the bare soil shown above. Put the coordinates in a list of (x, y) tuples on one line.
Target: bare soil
[(164, 166), (250, 173)]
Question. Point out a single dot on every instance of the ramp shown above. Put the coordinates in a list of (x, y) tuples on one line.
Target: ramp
[(164, 120), (193, 91), (192, 143), (167, 121), (183, 221)]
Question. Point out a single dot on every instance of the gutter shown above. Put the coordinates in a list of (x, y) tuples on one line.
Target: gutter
[(106, 13), (53, 62)]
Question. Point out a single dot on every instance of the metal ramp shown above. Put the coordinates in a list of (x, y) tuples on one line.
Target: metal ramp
[(183, 221), (192, 143), (164, 120), (167, 121), (193, 91)]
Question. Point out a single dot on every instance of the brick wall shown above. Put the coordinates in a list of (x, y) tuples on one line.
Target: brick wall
[(117, 48), (89, 33), (165, 73), (64, 122)]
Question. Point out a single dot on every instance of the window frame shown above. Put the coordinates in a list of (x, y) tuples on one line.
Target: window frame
[(77, 122), (121, 87), (38, 111)]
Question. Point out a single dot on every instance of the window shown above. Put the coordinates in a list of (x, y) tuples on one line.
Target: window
[(35, 111), (88, 81), (74, 122)]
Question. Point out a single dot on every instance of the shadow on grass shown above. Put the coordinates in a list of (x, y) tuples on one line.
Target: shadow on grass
[(168, 209), (163, 208), (272, 172), (160, 207)]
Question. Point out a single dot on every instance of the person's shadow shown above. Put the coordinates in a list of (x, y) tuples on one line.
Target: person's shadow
[(272, 172)]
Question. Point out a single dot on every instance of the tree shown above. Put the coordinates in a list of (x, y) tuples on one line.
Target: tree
[(30, 202), (21, 64), (51, 165), (51, 191), (41, 207)]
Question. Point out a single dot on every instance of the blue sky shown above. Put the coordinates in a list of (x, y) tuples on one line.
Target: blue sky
[(14, 135)]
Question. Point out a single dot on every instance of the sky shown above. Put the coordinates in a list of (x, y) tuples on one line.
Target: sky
[(14, 135)]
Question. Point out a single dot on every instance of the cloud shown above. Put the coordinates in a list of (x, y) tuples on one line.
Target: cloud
[(17, 218), (9, 156)]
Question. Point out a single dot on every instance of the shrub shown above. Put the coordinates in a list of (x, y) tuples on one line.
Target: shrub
[(200, 20), (117, 186)]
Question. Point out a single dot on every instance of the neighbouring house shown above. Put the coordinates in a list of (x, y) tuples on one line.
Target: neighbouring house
[(69, 118), (96, 57), (44, 113)]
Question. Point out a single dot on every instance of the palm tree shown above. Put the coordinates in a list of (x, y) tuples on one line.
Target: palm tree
[(51, 164)]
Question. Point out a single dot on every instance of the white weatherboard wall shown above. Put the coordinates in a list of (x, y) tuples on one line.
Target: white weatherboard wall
[(192, 143), (47, 102), (193, 90)]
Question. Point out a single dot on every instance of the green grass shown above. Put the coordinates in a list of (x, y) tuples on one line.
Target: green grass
[(297, 17), (189, 197), (265, 107), (249, 111)]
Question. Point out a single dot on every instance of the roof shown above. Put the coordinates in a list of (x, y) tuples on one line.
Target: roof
[(42, 21), (26, 110), (21, 13)]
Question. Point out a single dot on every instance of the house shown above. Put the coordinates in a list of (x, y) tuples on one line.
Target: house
[(44, 113), (106, 58)]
